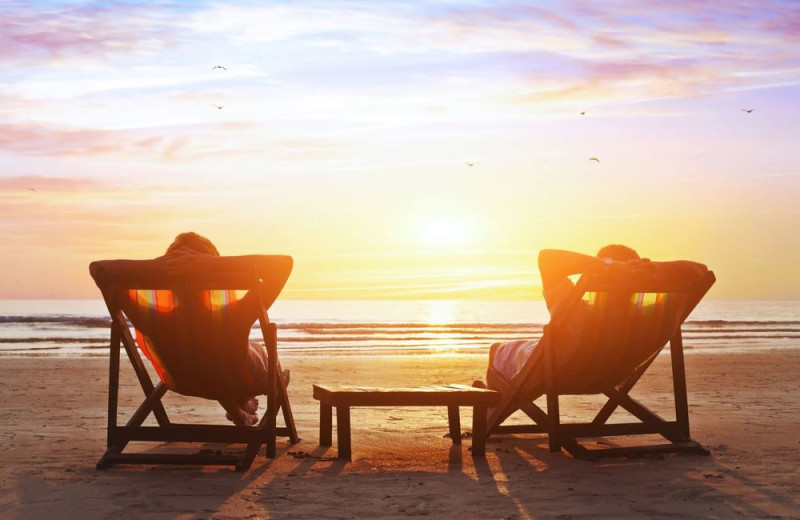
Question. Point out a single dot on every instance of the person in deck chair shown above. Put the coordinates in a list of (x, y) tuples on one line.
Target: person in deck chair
[(193, 253), (556, 267)]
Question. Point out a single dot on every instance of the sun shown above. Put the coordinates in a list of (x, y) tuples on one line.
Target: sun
[(447, 230)]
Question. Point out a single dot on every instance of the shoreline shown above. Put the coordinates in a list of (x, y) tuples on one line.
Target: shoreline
[(688, 350), (745, 409)]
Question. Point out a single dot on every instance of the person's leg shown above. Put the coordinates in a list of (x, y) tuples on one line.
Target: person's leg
[(507, 358), (255, 371)]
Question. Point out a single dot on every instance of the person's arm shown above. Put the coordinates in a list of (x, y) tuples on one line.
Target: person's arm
[(556, 265), (126, 268), (199, 264), (272, 270)]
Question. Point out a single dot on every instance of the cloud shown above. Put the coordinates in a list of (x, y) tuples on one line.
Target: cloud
[(51, 33), (48, 140), (53, 184), (628, 48), (184, 143)]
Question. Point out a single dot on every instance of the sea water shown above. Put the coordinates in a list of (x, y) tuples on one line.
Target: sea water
[(348, 327)]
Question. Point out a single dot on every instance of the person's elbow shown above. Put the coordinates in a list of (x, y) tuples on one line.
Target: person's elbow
[(549, 260), (545, 256)]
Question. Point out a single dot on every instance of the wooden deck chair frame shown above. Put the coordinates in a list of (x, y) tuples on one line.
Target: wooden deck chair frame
[(166, 431), (566, 435)]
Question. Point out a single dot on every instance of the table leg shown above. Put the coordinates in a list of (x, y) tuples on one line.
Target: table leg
[(325, 424), (454, 423), (343, 431), (478, 431)]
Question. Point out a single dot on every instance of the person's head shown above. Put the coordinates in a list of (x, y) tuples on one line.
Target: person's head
[(193, 242), (618, 253)]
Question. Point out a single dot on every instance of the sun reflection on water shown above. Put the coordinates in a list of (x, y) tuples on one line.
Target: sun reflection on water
[(440, 312)]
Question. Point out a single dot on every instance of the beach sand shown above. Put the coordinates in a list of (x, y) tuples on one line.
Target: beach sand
[(745, 408)]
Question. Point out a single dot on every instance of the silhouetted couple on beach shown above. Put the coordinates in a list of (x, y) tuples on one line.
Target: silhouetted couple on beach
[(190, 251)]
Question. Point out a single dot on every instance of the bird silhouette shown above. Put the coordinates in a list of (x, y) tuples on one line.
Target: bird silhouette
[(31, 189), (595, 159), (218, 67), (218, 107), (583, 113), (748, 110), (470, 164)]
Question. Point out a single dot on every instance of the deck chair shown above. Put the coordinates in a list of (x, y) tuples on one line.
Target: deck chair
[(629, 323), (160, 315)]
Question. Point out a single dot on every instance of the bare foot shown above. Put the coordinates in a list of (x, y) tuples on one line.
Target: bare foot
[(237, 415), (242, 418), (249, 419), (249, 405)]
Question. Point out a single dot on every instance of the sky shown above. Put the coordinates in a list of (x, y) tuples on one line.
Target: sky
[(414, 150)]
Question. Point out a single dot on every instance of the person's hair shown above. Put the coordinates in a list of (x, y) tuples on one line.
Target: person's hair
[(618, 252), (195, 242)]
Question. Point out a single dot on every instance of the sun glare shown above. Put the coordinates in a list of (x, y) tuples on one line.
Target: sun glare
[(447, 231), (440, 312)]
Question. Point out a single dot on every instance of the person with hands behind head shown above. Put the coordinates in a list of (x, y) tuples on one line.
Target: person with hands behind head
[(193, 254), (556, 267), (617, 263)]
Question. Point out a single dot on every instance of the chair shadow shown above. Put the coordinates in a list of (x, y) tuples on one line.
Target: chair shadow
[(518, 478), (689, 485)]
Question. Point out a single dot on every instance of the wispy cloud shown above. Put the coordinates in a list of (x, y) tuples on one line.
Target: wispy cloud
[(46, 183), (44, 140), (185, 144), (60, 34)]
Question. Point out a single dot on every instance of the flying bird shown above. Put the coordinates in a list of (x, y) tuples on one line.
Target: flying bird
[(218, 67), (583, 113), (31, 189), (218, 107), (470, 164), (748, 110), (595, 159)]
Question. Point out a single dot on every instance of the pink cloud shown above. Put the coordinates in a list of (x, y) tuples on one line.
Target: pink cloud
[(29, 34), (787, 24), (44, 140), (511, 15), (45, 183), (613, 80), (610, 42), (175, 144), (41, 140)]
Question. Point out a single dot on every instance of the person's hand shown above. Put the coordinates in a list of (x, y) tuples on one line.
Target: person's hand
[(184, 261), (637, 270)]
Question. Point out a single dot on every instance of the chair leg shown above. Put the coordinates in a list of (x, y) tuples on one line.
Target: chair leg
[(286, 407), (141, 372), (554, 415), (247, 458), (271, 427), (679, 385), (113, 385)]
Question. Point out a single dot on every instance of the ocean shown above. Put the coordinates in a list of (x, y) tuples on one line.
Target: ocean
[(350, 327)]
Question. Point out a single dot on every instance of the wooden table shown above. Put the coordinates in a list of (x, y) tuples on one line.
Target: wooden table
[(451, 396)]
